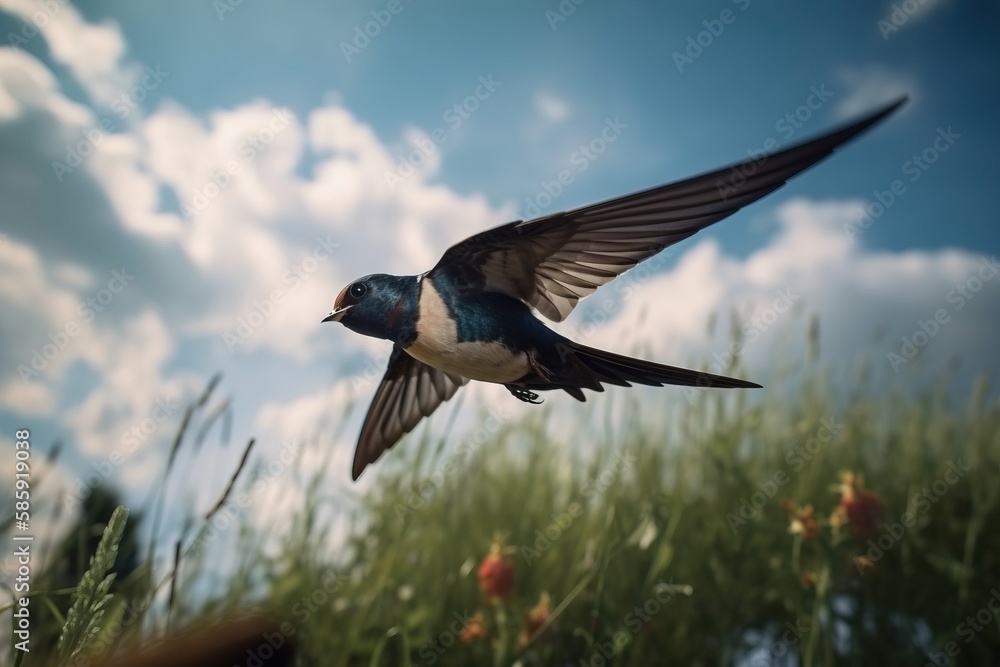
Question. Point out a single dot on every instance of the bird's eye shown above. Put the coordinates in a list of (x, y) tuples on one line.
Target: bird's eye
[(358, 290)]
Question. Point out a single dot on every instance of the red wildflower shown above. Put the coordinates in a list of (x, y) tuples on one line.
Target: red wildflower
[(535, 619), (475, 630), (803, 520), (496, 573), (858, 506)]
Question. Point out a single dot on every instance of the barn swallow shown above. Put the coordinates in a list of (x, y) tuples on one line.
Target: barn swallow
[(472, 316)]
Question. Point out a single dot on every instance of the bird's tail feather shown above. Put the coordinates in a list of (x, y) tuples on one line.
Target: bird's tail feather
[(609, 368)]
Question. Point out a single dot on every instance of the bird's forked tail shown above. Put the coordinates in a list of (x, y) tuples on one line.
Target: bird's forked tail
[(600, 367)]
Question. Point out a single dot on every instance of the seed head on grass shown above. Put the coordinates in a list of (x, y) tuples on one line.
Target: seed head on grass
[(83, 622)]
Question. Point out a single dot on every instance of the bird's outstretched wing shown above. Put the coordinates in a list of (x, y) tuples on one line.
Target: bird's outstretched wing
[(410, 391), (552, 262)]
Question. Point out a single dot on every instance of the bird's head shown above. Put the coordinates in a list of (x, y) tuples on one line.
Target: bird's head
[(375, 305)]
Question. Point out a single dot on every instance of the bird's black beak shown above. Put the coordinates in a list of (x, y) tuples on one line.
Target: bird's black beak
[(336, 314)]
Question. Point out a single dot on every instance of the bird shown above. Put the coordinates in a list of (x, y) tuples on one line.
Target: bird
[(473, 315)]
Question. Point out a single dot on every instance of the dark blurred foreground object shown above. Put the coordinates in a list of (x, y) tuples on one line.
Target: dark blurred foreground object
[(255, 642)]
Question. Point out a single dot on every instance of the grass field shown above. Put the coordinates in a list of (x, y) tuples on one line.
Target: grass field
[(817, 528)]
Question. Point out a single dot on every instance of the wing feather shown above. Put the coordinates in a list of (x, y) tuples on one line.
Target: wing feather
[(552, 262), (410, 390)]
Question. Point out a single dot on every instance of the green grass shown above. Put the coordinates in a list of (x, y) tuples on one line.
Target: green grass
[(636, 514)]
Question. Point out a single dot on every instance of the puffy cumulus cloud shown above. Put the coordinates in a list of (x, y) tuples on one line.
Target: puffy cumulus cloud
[(274, 488), (308, 414), (808, 267), (244, 166), (257, 249), (231, 232), (359, 181), (38, 343), (132, 388), (26, 84), (94, 54), (318, 423), (276, 244), (233, 176), (121, 160), (331, 418), (30, 399)]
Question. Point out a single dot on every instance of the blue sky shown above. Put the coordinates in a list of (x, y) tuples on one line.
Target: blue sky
[(606, 59), (174, 94)]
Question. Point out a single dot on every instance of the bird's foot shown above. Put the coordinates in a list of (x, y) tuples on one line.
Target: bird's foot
[(525, 395)]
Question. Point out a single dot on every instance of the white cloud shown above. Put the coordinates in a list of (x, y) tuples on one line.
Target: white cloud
[(871, 87), (38, 342), (265, 238), (27, 399), (551, 107), (93, 53), (131, 365), (900, 13), (808, 267), (26, 83), (331, 418), (306, 416)]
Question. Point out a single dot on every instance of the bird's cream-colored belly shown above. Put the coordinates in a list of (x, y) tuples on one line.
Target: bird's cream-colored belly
[(437, 345), (487, 362)]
